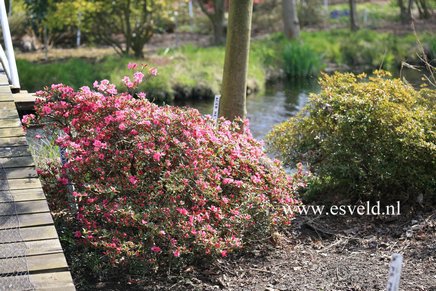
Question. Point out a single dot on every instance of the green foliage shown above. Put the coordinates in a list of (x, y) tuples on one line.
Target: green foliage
[(364, 139), (366, 47), (309, 12), (300, 60)]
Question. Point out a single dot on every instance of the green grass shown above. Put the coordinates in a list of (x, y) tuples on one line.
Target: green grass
[(187, 69)]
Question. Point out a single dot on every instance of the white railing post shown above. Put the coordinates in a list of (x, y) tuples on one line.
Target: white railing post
[(13, 77)]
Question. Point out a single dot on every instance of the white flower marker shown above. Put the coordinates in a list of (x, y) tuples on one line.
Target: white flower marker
[(395, 273), (216, 107)]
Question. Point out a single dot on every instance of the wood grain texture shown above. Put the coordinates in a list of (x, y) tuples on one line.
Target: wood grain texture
[(23, 195), (39, 233), (35, 264), (26, 220), (35, 248), (26, 183), (13, 141), (15, 151), (61, 281), (17, 162), (21, 173), (5, 123)]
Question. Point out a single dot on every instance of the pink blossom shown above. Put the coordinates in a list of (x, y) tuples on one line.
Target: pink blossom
[(176, 253), (156, 249), (133, 180), (153, 71), (132, 66), (138, 76), (157, 156), (46, 109), (182, 211), (77, 234), (122, 126)]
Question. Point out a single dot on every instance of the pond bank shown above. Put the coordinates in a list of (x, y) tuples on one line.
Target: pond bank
[(191, 72)]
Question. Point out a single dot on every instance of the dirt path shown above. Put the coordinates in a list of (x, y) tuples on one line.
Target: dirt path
[(322, 253)]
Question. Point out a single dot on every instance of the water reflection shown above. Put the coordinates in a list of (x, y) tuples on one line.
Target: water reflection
[(280, 101)]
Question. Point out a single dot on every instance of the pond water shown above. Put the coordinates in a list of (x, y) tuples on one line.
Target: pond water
[(280, 101)]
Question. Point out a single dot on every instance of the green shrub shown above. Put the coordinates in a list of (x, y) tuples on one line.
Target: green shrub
[(300, 60), (364, 139)]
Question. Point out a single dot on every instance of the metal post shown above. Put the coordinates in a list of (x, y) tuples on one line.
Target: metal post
[(13, 78)]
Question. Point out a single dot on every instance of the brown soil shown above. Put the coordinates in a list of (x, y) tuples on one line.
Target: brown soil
[(320, 253)]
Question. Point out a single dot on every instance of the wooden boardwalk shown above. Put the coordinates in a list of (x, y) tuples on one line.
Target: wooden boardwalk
[(45, 261)]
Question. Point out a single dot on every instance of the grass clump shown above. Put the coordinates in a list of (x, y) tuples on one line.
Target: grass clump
[(300, 60)]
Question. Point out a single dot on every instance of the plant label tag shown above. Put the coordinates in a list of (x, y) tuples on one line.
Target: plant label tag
[(395, 272), (216, 107)]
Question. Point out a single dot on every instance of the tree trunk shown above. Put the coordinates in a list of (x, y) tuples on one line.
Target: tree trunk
[(424, 12), (353, 19), (290, 19), (219, 35), (216, 18), (405, 13), (234, 87)]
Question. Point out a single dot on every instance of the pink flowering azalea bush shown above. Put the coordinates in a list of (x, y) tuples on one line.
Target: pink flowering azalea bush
[(154, 184)]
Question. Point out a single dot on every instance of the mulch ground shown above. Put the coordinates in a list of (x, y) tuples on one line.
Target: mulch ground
[(320, 253)]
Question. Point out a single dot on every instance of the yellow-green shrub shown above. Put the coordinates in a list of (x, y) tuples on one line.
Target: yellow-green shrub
[(364, 138)]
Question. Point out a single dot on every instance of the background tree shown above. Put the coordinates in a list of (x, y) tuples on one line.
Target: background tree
[(233, 102), (134, 20), (353, 18), (405, 10), (423, 9), (290, 19), (215, 11)]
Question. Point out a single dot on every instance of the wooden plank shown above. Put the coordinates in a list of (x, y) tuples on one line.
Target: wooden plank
[(42, 247), (13, 141), (6, 97), (47, 262), (38, 233), (7, 106), (25, 207), (22, 195), (32, 248), (4, 123), (28, 234), (26, 220), (25, 97), (61, 281), (8, 113), (20, 184), (35, 264), (16, 162), (53, 281), (21, 173), (12, 132), (10, 209), (16, 151), (4, 81), (5, 88)]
